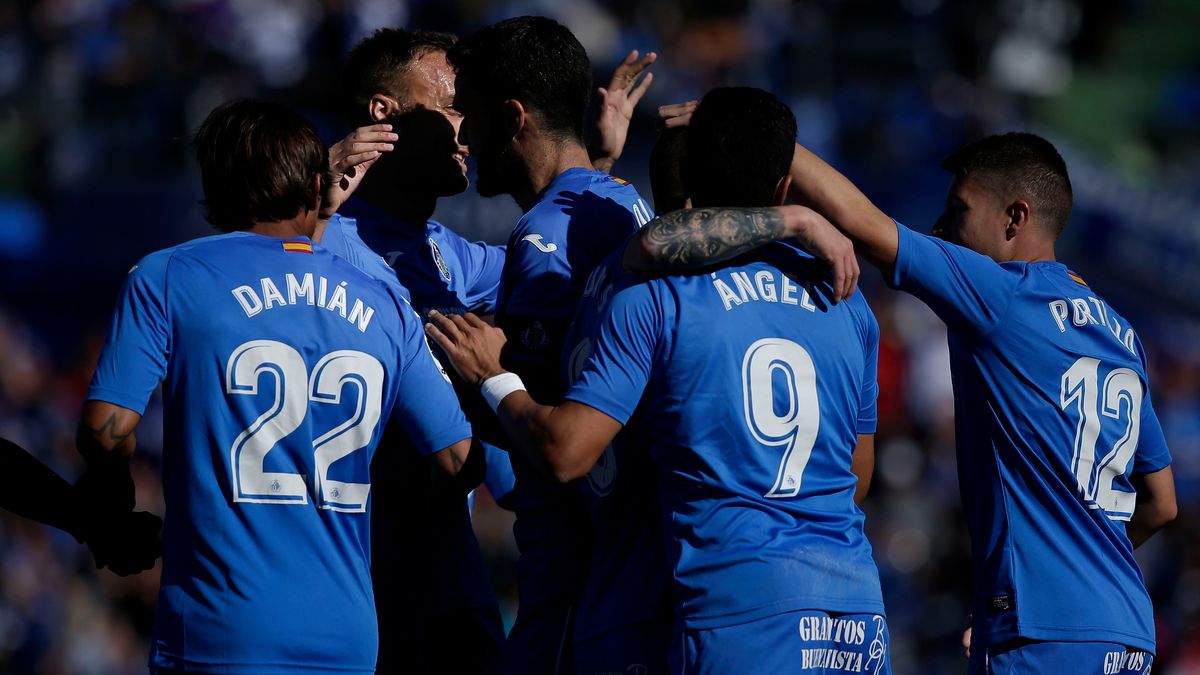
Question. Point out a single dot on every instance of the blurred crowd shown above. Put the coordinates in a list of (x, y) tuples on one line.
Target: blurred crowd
[(98, 97)]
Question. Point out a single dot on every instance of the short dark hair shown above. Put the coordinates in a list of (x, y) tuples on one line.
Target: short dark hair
[(740, 144), (666, 170), (257, 160), (534, 60), (375, 63), (1019, 164)]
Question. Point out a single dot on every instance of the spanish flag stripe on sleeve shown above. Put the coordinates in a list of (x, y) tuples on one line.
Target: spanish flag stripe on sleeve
[(622, 182), (1076, 278), (298, 247)]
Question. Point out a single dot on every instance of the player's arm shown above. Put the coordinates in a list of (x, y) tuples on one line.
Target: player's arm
[(1156, 505), (692, 238), (565, 440), (862, 464), (464, 463), (820, 186), (33, 490), (617, 102)]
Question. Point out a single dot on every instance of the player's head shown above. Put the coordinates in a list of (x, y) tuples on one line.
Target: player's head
[(400, 76), (666, 170), (740, 144), (1010, 193), (259, 162), (526, 77)]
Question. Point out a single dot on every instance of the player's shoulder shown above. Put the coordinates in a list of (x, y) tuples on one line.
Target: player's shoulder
[(157, 262)]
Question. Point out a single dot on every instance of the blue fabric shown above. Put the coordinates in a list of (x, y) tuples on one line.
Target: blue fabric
[(808, 642), (427, 561), (578, 219), (1048, 381), (628, 584), (1078, 658), (736, 371), (266, 553)]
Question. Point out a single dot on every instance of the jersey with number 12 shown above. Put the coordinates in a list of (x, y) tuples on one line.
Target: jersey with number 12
[(280, 363), (1052, 415), (752, 392)]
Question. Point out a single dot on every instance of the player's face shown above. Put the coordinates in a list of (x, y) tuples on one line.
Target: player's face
[(974, 217), (428, 85), (482, 131)]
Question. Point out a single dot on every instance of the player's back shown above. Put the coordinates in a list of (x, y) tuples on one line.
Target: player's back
[(757, 395), (1052, 415), (1051, 407), (284, 359)]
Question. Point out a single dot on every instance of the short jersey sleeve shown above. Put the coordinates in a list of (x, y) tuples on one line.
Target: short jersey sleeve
[(426, 406), (617, 370), (134, 359), (1152, 453), (969, 291), (484, 267), (868, 416), (499, 477)]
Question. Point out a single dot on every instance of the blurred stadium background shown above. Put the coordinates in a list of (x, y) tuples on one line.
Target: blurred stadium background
[(97, 98)]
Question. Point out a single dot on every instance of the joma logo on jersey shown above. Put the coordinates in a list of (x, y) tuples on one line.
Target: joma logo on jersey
[(536, 240)]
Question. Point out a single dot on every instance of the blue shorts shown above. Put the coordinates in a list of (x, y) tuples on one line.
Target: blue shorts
[(806, 641), (1081, 658), (637, 649)]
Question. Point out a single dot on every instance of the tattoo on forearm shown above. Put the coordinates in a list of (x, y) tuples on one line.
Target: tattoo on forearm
[(696, 237)]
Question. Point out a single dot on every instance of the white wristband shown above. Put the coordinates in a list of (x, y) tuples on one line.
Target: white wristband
[(495, 388)]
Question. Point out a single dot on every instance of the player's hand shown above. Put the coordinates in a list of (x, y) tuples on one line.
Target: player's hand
[(819, 237), (349, 160), (472, 346), (617, 102), (676, 114), (125, 543), (966, 638)]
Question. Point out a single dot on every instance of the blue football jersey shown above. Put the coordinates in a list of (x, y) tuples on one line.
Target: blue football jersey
[(628, 579), (753, 393), (280, 364), (1052, 414), (444, 571), (442, 270), (580, 218)]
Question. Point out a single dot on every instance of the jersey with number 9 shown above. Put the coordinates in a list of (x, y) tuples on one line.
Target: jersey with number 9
[(752, 394), (281, 363)]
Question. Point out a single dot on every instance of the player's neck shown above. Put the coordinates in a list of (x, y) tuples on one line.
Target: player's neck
[(1035, 252), (407, 207), (547, 162), (302, 225)]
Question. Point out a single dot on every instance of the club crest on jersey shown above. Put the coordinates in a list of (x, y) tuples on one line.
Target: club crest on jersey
[(604, 473), (439, 260), (534, 337)]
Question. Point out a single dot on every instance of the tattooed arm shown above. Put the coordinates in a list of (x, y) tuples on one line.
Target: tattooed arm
[(693, 238), (105, 439)]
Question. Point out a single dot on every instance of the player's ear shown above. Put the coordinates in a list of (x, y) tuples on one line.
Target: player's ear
[(1018, 218), (515, 116), (380, 107), (314, 192), (781, 190)]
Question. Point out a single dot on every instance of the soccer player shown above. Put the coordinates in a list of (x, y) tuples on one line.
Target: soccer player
[(753, 397), (401, 78), (1055, 427), (523, 87), (126, 544), (281, 363)]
